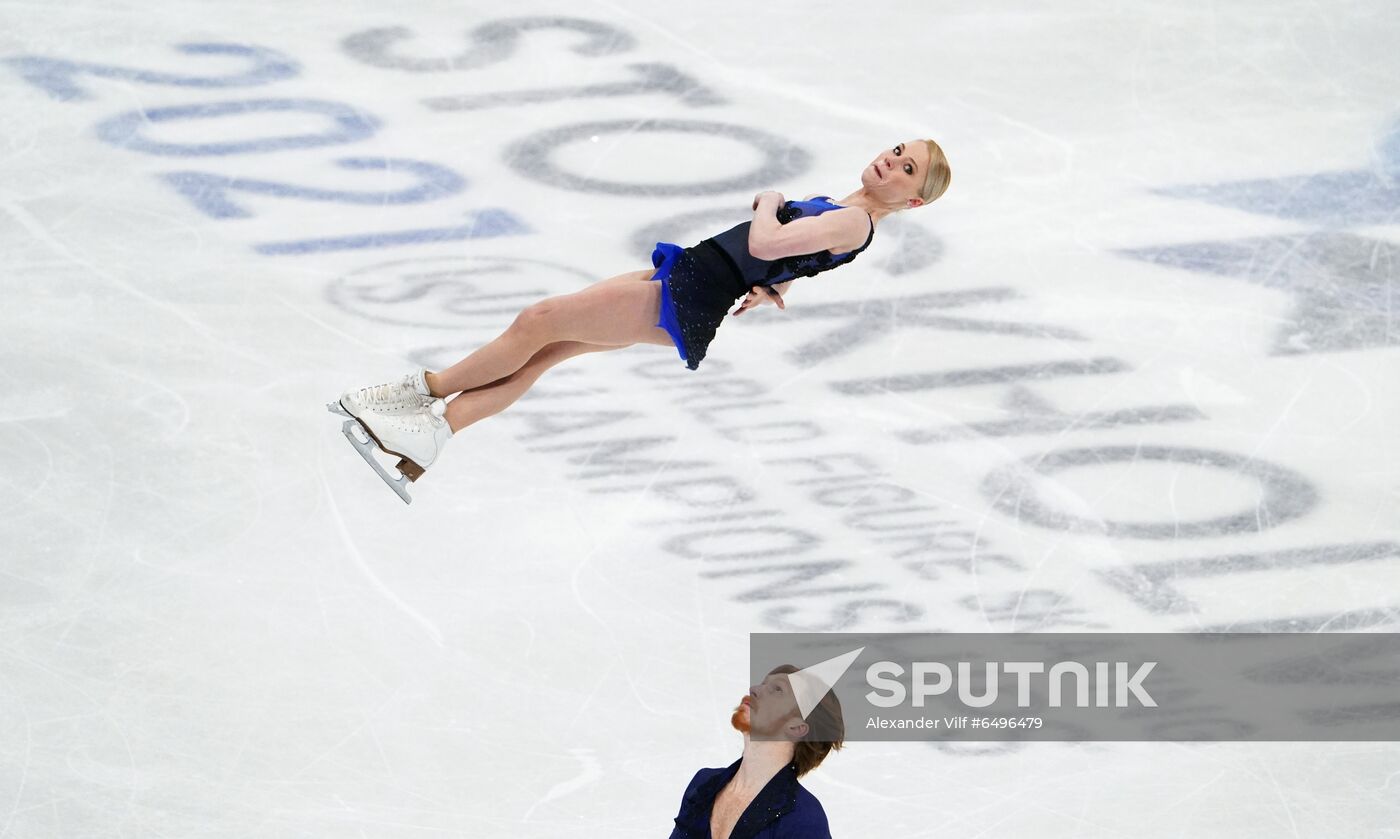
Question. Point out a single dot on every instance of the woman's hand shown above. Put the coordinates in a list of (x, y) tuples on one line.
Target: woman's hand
[(758, 296), (759, 197)]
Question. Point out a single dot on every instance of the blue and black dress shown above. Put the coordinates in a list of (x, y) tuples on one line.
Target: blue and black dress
[(699, 284)]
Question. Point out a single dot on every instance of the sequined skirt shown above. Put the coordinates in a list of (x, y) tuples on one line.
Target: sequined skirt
[(698, 288)]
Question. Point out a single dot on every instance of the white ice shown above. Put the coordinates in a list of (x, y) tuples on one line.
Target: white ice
[(216, 622)]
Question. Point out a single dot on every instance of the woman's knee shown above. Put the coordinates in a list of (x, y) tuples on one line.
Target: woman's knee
[(537, 319)]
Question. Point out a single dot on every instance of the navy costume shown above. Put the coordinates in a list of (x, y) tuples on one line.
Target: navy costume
[(700, 283), (783, 809)]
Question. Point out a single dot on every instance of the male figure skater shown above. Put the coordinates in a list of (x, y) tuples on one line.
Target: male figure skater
[(758, 796)]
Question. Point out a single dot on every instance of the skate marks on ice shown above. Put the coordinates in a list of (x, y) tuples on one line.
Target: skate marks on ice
[(432, 630), (1343, 279), (590, 771)]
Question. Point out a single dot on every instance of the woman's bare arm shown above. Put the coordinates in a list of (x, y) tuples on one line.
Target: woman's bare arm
[(769, 239)]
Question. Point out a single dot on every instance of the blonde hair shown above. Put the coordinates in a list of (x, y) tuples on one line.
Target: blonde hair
[(939, 175)]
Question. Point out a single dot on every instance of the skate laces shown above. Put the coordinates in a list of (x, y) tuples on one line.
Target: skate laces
[(381, 394), (425, 420), (400, 393)]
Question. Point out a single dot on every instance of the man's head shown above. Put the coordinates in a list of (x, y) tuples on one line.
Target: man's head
[(770, 712)]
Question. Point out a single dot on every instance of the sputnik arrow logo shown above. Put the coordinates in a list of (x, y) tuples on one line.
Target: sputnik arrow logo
[(810, 684)]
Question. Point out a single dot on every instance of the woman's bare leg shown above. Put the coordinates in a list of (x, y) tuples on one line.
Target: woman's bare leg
[(480, 403), (616, 312)]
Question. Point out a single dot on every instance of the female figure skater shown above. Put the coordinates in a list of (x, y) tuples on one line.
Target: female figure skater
[(679, 302)]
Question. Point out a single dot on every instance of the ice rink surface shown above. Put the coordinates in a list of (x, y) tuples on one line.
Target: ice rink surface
[(1136, 371)]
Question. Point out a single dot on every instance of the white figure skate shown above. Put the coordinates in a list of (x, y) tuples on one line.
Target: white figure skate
[(415, 437), (400, 418), (409, 393)]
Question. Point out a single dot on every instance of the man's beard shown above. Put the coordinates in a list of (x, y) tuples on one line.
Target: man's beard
[(737, 720)]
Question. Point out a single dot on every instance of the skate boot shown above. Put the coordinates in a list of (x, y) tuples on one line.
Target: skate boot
[(416, 437), (409, 393)]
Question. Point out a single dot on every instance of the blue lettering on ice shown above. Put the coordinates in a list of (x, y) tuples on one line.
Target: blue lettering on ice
[(1345, 285), (1330, 199), (55, 75), (493, 42), (209, 192), (485, 223), (348, 125)]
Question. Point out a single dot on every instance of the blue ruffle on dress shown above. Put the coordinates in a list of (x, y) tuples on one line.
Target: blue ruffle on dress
[(664, 259)]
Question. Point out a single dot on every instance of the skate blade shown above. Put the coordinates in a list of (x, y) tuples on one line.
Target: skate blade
[(367, 448), (337, 408)]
